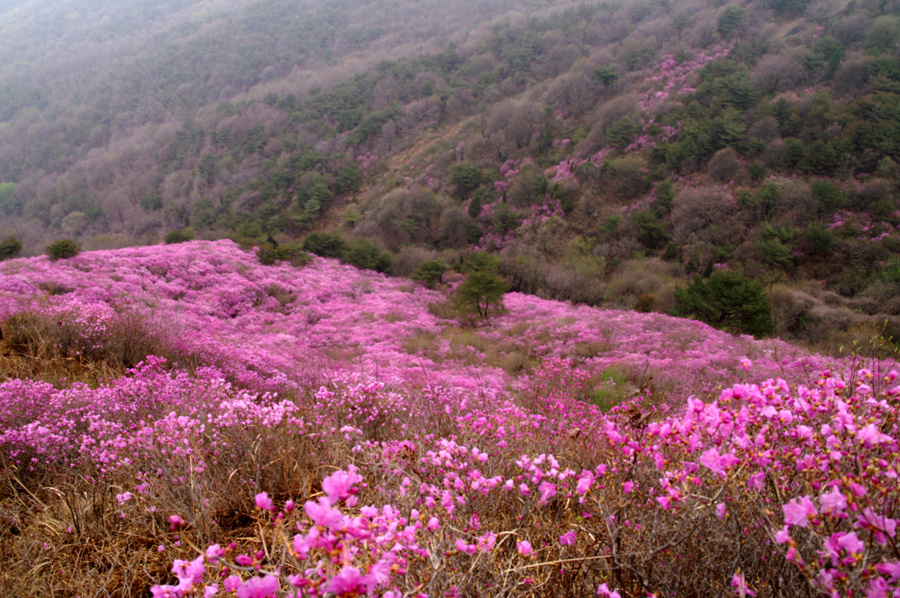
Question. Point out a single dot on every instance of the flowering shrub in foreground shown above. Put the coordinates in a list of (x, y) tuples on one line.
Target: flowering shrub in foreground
[(766, 488)]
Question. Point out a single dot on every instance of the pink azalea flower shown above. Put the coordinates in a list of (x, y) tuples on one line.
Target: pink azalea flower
[(757, 481), (851, 543), (603, 590), (585, 482), (486, 542), (568, 538), (880, 524), (799, 511), (340, 485), (712, 461), (264, 502), (833, 502), (892, 569), (322, 513), (232, 583), (345, 583), (301, 546), (740, 585), (215, 552), (165, 592), (524, 547), (782, 536), (547, 491), (175, 522), (189, 573), (259, 587), (878, 588)]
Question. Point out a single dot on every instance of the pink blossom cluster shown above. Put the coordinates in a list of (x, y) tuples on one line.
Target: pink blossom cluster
[(429, 179), (446, 475), (647, 140), (669, 79), (861, 221), (366, 160), (564, 172), (824, 455)]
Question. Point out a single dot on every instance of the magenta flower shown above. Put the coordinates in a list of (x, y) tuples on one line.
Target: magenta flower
[(878, 588), (585, 482), (782, 536), (486, 542), (340, 485), (568, 538), (175, 522), (165, 592), (524, 548), (264, 502), (603, 590), (232, 583), (881, 525), (833, 502), (189, 573), (712, 461), (740, 585), (547, 491), (799, 511), (215, 552), (259, 587), (346, 583), (892, 569), (322, 513)]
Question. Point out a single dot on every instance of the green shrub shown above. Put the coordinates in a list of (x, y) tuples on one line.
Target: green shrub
[(325, 244), (10, 247), (294, 253), (466, 176), (181, 235), (63, 249), (483, 289), (727, 300), (481, 293), (649, 229), (731, 20), (645, 303), (267, 254), (756, 171), (622, 132), (365, 254), (431, 272)]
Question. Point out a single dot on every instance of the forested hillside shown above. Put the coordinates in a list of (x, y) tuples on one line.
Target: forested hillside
[(607, 153)]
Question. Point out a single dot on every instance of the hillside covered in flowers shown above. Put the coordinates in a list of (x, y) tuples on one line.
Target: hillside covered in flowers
[(181, 420)]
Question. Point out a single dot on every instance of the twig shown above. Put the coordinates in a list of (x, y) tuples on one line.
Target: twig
[(578, 560)]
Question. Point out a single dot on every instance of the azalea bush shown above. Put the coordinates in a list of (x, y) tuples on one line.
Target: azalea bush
[(321, 432)]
